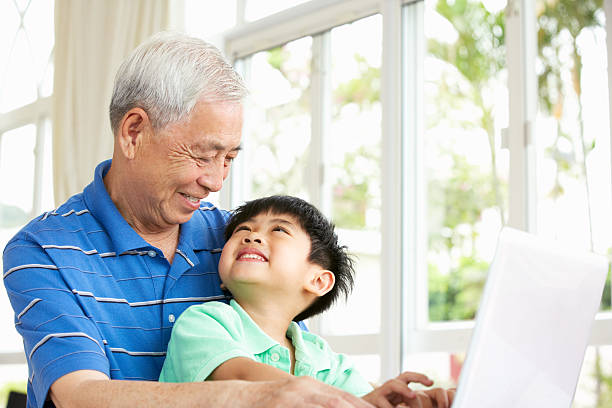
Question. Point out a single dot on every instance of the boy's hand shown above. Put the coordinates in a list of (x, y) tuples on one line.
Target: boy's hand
[(396, 390), (433, 398)]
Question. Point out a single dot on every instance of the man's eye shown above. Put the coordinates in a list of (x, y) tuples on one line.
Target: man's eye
[(201, 159)]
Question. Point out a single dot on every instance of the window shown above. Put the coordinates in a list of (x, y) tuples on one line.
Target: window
[(471, 177), (482, 146), (313, 129), (26, 83)]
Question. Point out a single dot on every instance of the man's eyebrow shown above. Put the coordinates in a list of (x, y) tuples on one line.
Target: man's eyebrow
[(216, 146), (220, 147)]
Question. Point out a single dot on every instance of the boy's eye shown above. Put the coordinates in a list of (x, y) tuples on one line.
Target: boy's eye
[(242, 228), (279, 228)]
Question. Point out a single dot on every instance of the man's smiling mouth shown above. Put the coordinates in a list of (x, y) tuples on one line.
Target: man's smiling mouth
[(191, 198)]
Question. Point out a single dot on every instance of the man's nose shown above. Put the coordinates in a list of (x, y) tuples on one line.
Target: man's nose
[(212, 177)]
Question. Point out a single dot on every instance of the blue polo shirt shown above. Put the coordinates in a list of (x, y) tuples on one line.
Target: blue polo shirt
[(90, 294)]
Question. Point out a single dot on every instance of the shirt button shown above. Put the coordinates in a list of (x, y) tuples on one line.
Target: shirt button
[(274, 357), (171, 318), (152, 253)]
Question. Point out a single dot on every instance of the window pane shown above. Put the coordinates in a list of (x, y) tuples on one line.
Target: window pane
[(205, 18), (256, 9), (466, 106), (17, 181), (277, 128), (443, 368), (25, 55), (355, 143), (573, 134)]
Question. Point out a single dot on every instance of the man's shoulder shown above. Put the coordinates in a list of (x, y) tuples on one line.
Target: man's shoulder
[(212, 215), (72, 217)]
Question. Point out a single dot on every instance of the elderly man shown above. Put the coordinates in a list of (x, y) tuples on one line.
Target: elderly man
[(97, 283)]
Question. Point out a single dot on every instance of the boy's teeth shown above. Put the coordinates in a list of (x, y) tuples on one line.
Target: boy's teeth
[(252, 256)]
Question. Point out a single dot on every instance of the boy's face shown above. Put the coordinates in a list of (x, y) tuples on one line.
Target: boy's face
[(268, 251)]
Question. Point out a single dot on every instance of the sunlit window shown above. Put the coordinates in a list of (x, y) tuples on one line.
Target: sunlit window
[(278, 141), (256, 9), (466, 107), (572, 139), (277, 128), (26, 80)]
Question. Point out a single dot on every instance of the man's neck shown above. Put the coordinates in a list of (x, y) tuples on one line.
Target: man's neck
[(166, 239)]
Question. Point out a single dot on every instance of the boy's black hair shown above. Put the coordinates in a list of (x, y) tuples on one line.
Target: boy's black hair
[(324, 248)]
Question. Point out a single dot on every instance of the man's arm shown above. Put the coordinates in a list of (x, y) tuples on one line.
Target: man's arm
[(242, 368), (92, 389)]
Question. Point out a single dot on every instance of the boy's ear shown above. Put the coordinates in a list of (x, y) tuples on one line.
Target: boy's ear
[(321, 282)]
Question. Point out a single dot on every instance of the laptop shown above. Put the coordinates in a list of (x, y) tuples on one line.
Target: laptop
[(532, 326)]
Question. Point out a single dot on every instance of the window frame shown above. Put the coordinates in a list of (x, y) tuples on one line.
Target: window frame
[(36, 113), (418, 335), (404, 284)]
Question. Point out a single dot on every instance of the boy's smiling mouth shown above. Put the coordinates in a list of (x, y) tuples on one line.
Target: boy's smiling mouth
[(251, 255)]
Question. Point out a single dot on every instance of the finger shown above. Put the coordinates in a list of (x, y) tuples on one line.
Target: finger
[(416, 402), (395, 389), (451, 394), (439, 395), (424, 400), (409, 376), (381, 402)]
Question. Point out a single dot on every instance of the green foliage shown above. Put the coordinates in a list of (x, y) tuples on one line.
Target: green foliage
[(277, 57), (352, 192), (456, 203), (363, 90), (462, 198), (11, 216), (6, 388), (479, 52), (455, 296)]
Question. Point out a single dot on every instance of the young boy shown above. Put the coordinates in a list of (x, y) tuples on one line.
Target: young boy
[(282, 263)]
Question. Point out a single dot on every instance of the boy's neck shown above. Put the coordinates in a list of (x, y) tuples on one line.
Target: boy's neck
[(270, 317)]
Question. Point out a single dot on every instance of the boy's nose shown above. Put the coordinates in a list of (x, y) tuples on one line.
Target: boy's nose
[(249, 239)]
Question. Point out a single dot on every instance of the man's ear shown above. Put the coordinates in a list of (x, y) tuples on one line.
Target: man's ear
[(321, 282), (132, 131)]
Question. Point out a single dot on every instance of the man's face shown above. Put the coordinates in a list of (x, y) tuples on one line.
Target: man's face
[(181, 164), (268, 251)]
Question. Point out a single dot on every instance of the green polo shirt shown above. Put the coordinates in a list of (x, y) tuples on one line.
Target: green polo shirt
[(207, 335)]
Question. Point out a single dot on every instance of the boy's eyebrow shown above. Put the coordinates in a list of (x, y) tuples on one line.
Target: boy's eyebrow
[(281, 221)]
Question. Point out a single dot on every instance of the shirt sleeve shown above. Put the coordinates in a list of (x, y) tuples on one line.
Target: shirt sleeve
[(341, 372), (204, 337), (58, 337), (345, 376)]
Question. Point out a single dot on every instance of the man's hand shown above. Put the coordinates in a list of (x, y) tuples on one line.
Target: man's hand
[(396, 391), (92, 389), (301, 392)]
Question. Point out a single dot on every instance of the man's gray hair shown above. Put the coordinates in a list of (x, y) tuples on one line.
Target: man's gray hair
[(168, 74)]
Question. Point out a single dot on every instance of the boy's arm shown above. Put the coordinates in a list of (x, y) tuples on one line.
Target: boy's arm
[(243, 368)]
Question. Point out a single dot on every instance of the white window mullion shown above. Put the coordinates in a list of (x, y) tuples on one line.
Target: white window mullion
[(608, 13), (520, 54), (318, 178), (319, 189), (39, 157), (238, 184), (391, 266)]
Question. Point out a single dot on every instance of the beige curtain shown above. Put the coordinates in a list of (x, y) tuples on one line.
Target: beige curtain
[(92, 37)]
